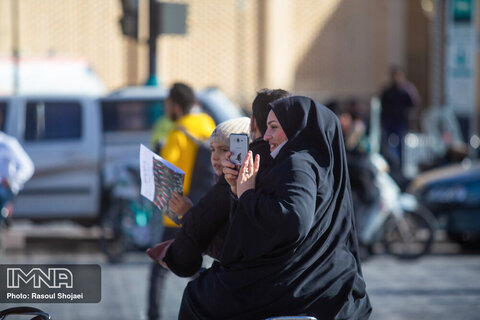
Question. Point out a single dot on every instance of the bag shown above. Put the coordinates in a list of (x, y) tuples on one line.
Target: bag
[(203, 175)]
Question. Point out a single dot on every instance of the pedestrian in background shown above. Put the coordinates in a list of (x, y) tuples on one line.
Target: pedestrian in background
[(398, 100), (180, 150), (16, 167), (360, 168)]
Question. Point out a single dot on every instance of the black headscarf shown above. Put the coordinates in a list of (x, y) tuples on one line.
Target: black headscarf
[(311, 126), (291, 248)]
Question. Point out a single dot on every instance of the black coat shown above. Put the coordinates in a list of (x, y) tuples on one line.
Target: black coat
[(291, 248), (205, 225), (200, 225), (397, 103)]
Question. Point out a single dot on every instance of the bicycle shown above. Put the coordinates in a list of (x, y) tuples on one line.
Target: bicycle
[(37, 313)]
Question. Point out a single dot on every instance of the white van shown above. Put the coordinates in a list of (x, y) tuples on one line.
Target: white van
[(49, 75), (74, 140)]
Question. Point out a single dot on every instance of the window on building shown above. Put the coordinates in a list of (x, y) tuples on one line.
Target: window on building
[(53, 120)]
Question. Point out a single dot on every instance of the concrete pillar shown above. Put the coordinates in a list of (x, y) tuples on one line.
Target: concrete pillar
[(279, 44)]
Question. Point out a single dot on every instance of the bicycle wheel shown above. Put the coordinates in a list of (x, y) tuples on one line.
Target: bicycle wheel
[(411, 236), (113, 240)]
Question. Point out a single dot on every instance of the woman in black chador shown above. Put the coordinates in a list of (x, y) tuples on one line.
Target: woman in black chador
[(291, 247)]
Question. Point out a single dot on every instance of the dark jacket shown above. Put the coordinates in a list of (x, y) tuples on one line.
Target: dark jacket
[(291, 247), (200, 225), (397, 103), (205, 225)]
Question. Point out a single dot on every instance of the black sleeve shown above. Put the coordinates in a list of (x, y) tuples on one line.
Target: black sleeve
[(199, 226), (205, 219), (183, 257), (268, 223)]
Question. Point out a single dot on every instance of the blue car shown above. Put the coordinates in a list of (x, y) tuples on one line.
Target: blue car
[(452, 193)]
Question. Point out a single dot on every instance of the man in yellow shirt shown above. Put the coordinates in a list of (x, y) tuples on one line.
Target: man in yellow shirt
[(181, 151)]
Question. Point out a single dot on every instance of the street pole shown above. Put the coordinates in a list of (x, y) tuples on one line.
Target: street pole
[(15, 46), (152, 47)]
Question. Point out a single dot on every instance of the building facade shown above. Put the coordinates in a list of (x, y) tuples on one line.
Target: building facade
[(321, 48)]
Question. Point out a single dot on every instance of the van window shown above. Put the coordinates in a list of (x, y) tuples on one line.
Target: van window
[(54, 120), (130, 115), (3, 115)]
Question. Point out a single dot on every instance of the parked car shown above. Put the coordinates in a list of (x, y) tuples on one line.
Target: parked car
[(452, 193), (75, 140)]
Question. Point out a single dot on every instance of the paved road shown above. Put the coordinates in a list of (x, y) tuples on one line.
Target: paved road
[(445, 285), (434, 287)]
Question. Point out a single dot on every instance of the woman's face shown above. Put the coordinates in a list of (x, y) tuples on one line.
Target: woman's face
[(218, 152), (274, 134)]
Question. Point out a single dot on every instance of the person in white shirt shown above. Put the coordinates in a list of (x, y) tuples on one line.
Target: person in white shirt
[(16, 167)]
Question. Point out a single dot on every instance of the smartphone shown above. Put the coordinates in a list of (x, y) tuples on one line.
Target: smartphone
[(238, 148)]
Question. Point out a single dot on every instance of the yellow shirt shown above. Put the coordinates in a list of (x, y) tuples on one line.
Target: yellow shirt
[(181, 151)]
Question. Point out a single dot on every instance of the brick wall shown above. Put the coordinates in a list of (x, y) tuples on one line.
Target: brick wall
[(345, 47), (220, 48), (322, 48), (86, 28)]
